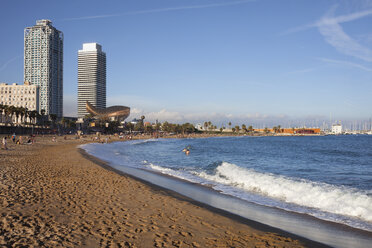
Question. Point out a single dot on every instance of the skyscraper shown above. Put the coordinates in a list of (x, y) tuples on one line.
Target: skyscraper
[(91, 77), (43, 54)]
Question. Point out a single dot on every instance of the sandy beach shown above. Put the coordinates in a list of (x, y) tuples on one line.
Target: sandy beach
[(51, 195)]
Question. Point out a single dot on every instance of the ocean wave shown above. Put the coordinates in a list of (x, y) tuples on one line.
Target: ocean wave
[(178, 173), (139, 142), (321, 196), (159, 168)]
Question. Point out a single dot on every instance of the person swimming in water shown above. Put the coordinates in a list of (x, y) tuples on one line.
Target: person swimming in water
[(186, 150)]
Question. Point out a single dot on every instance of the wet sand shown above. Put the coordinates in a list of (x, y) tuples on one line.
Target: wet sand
[(53, 196)]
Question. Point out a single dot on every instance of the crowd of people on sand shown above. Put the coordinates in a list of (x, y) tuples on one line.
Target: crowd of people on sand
[(98, 137), (28, 140)]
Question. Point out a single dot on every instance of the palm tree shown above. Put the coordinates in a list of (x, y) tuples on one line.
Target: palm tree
[(279, 129), (63, 122), (42, 112), (229, 124), (237, 128), (250, 129), (33, 116), (53, 117), (205, 125), (244, 127), (23, 114), (27, 116), (2, 107), (10, 110), (17, 112), (276, 129), (157, 127), (37, 116)]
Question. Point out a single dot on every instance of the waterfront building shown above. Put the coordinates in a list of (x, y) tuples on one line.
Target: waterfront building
[(26, 96), (135, 121), (43, 64), (91, 78), (336, 129)]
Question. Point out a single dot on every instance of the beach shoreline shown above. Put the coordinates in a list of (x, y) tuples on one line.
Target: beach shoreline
[(302, 225), (53, 195)]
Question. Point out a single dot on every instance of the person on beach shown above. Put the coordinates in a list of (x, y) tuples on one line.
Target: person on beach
[(5, 144), (13, 137)]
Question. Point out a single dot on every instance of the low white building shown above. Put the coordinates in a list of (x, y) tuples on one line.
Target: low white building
[(199, 127), (26, 95), (336, 129)]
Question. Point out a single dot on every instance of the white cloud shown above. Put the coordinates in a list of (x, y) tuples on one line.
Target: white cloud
[(330, 28), (334, 35), (216, 118), (329, 19), (8, 62), (161, 10), (346, 63), (258, 120)]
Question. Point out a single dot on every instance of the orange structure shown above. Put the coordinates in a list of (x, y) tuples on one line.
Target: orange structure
[(291, 130)]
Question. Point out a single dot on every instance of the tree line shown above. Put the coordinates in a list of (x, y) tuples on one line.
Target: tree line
[(8, 112)]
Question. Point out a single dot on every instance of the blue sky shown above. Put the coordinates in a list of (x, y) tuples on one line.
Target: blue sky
[(263, 61)]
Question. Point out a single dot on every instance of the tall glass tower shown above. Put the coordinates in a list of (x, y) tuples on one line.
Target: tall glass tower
[(43, 54), (91, 77)]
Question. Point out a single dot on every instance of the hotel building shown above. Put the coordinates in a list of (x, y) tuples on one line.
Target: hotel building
[(43, 65), (91, 77), (26, 96)]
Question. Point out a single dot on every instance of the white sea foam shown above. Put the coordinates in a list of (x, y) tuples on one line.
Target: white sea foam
[(181, 174), (321, 196), (139, 142), (159, 168)]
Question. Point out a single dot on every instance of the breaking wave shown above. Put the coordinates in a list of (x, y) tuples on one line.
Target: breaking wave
[(328, 202), (139, 142), (329, 198)]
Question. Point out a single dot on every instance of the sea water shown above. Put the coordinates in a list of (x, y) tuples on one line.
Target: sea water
[(327, 177)]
